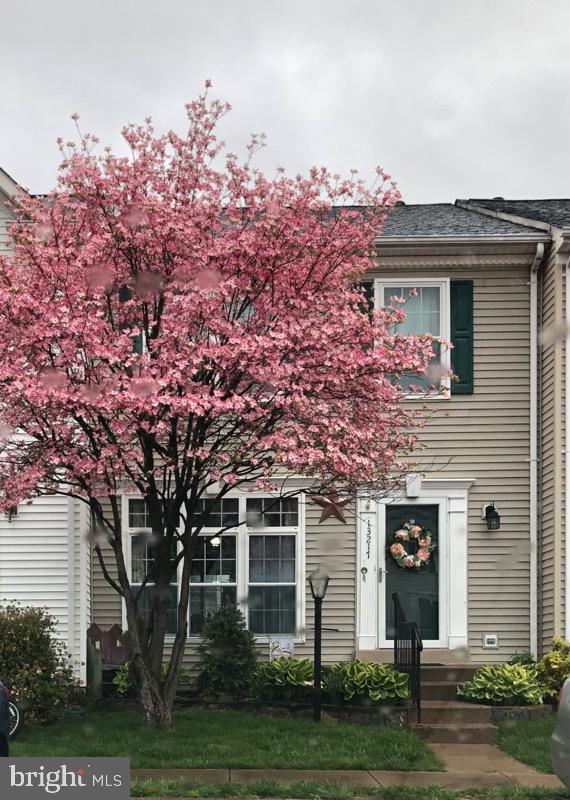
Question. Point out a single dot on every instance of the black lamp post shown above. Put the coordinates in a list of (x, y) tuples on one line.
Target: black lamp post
[(319, 581)]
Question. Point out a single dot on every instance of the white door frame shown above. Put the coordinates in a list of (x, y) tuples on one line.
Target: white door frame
[(442, 537), (453, 493)]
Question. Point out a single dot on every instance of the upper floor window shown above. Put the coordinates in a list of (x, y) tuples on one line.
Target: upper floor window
[(427, 311)]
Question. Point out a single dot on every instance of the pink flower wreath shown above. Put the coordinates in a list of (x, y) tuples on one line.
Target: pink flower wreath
[(411, 532)]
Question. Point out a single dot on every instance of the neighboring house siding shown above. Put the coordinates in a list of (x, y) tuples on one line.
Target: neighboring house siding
[(486, 436), (38, 565), (551, 464), (5, 219)]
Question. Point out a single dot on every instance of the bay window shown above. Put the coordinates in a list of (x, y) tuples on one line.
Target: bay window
[(256, 565)]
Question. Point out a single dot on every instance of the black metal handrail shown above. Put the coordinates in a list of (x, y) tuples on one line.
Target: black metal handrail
[(408, 648)]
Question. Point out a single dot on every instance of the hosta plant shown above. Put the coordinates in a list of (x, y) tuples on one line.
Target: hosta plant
[(124, 679), (283, 678), (359, 680), (503, 685), (554, 667)]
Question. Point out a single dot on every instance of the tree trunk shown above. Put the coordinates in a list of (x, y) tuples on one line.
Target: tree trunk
[(157, 711)]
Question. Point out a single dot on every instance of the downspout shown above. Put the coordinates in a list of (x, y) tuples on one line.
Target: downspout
[(533, 449), (567, 458)]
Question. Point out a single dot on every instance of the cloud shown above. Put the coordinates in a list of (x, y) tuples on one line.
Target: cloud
[(454, 99)]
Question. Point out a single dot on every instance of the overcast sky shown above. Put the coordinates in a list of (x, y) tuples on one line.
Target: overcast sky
[(455, 98)]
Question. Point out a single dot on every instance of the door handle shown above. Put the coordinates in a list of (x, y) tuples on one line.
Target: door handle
[(380, 574)]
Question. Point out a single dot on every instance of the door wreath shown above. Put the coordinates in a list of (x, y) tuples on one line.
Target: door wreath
[(422, 547)]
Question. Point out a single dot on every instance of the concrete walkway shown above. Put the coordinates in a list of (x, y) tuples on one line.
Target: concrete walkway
[(466, 766)]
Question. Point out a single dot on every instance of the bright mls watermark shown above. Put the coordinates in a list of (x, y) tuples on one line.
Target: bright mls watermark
[(89, 778)]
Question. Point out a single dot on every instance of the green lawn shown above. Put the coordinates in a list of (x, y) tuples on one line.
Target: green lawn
[(208, 738), (528, 740), (304, 790)]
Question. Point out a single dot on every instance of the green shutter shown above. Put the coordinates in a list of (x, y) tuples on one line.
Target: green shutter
[(462, 336), (368, 301)]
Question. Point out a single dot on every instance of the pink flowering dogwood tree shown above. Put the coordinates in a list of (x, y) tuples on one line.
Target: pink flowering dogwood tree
[(175, 322)]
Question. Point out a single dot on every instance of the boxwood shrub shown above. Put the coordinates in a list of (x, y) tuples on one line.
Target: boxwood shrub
[(33, 664), (554, 667)]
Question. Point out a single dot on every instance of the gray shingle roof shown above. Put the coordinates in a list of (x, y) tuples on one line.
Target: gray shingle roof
[(553, 212), (446, 219)]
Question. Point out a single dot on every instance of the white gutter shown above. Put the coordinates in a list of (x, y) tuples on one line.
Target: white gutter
[(533, 449), (567, 459)]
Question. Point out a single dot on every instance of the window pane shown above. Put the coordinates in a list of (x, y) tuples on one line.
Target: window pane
[(256, 571), (139, 563), (218, 513), (214, 564), (138, 517), (256, 547), (230, 512), (288, 571), (142, 558), (271, 559), (146, 599), (271, 512), (206, 600), (272, 609), (271, 546)]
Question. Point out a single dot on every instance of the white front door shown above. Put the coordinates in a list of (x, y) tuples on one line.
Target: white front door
[(423, 593), (436, 596)]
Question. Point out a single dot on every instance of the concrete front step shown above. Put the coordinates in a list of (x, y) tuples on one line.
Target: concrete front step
[(458, 733), (447, 711), (447, 674), (438, 690)]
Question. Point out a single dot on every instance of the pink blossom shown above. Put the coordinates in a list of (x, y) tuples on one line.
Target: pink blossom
[(422, 554), (397, 549), (416, 530), (424, 542), (237, 281), (409, 561), (402, 534)]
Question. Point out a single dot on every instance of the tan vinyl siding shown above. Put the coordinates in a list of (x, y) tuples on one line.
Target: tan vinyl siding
[(106, 602), (551, 463), (333, 545), (486, 436)]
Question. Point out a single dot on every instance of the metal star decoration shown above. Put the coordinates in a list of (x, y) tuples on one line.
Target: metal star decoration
[(332, 506)]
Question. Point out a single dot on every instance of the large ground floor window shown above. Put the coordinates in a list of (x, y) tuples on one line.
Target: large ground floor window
[(257, 565)]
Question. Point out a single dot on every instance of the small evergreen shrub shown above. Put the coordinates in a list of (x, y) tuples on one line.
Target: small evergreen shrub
[(554, 667), (284, 678), (33, 663), (359, 681), (503, 685), (227, 655), (125, 685), (526, 658)]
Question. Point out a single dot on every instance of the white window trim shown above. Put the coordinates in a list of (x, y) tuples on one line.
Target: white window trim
[(443, 284), (241, 533)]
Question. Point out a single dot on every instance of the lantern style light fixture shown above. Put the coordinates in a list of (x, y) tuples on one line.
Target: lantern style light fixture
[(318, 581), (492, 517)]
